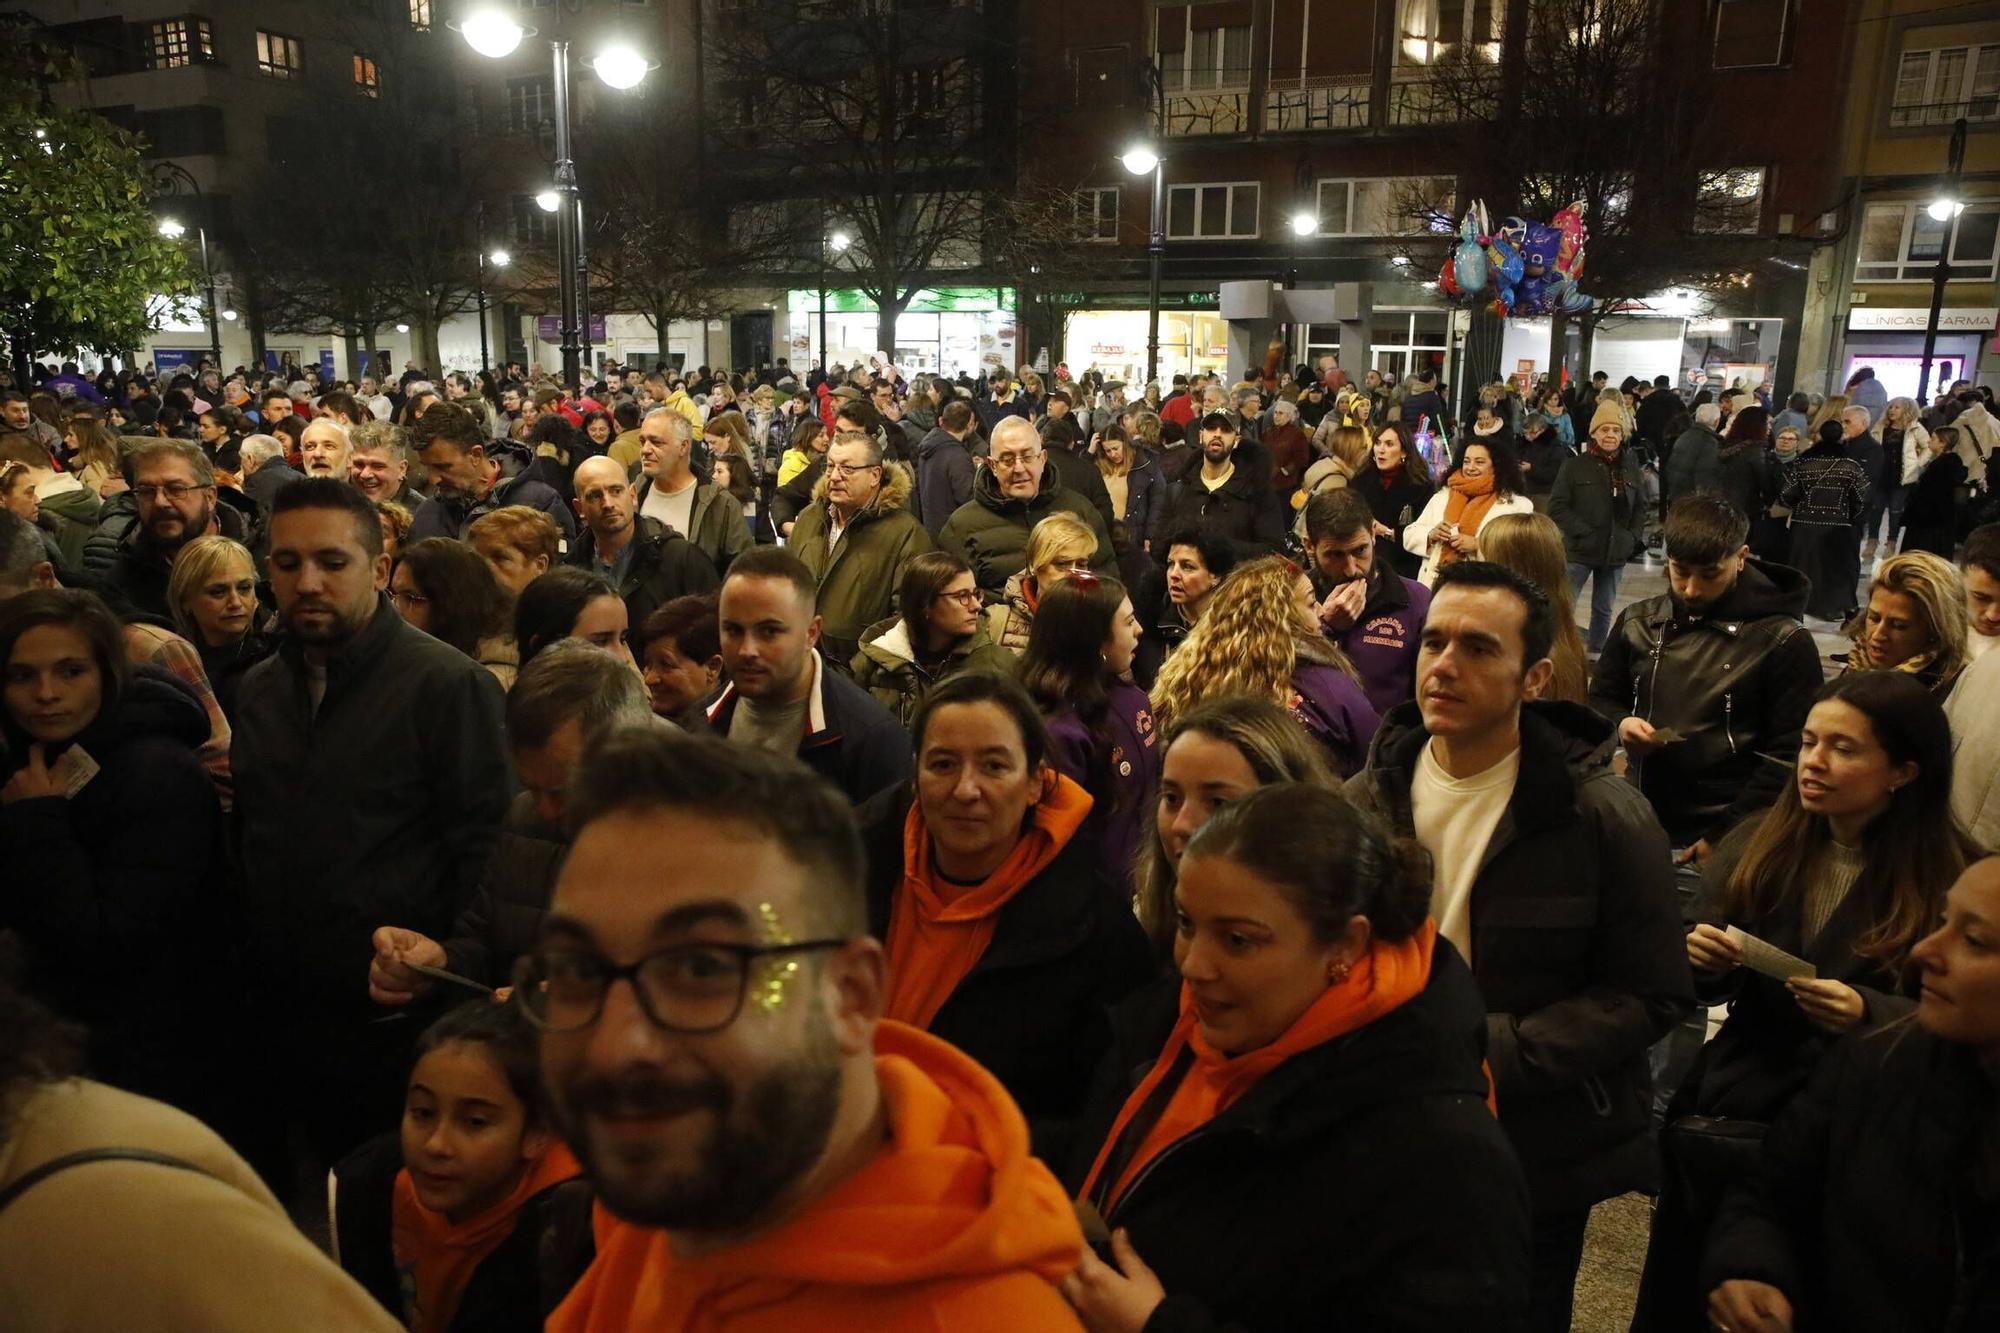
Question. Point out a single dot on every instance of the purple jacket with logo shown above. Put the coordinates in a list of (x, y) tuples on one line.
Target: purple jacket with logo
[(1128, 768), (1382, 643), (1333, 710)]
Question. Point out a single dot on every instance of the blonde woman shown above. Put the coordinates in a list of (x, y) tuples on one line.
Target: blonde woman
[(94, 454), (1343, 455), (1906, 448), (1829, 409), (1915, 622), (1058, 546), (212, 596), (1532, 546), (1258, 635)]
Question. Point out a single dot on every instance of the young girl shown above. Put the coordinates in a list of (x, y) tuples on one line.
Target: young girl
[(470, 1204)]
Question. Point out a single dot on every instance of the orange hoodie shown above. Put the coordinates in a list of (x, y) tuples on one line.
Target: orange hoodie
[(951, 1226)]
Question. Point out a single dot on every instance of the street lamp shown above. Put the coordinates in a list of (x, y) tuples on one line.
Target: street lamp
[(494, 33), (1304, 223), (173, 229), (837, 243), (1945, 208), (1143, 159)]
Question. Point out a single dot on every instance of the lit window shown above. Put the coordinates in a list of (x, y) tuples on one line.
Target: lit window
[(420, 14), (171, 43), (279, 56), (1387, 206), (366, 81), (1729, 200), (1901, 242), (1937, 87)]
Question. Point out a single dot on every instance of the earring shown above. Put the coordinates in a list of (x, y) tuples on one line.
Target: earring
[(1338, 972)]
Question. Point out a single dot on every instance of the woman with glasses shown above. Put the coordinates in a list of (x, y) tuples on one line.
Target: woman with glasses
[(938, 633), (1058, 547), (1005, 937), (449, 591)]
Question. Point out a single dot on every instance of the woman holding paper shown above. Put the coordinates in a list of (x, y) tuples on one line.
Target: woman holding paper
[(1808, 916)]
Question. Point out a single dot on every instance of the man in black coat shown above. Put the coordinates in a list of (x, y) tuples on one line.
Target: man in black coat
[(371, 780), (1657, 408), (571, 693), (647, 562), (1552, 878), (1228, 493), (945, 467), (173, 488)]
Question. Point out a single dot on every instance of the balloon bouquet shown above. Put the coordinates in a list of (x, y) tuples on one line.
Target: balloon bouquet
[(1524, 268)]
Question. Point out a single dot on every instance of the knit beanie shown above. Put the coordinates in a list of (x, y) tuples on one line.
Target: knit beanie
[(1607, 412)]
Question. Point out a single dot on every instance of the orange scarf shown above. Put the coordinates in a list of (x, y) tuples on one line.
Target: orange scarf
[(1468, 506), (436, 1257), (938, 930), (1385, 977)]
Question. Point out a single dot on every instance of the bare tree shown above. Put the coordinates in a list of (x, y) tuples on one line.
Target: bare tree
[(1045, 236)]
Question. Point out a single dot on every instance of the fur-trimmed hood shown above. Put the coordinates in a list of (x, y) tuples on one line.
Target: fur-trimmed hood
[(895, 492)]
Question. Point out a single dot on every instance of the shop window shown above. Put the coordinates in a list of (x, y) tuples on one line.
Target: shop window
[(1729, 200), (367, 81), (279, 56), (1901, 242), (529, 103), (1938, 86), (1097, 213), (1385, 206), (1431, 31), (171, 43), (1751, 34), (1213, 212)]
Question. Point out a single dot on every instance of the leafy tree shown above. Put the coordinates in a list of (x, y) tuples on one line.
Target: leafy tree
[(82, 263)]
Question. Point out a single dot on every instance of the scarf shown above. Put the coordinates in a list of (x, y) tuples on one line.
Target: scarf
[(1611, 463), (1469, 503), (436, 1257), (1383, 978), (939, 930)]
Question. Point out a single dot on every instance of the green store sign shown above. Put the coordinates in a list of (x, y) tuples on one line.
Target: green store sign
[(928, 301)]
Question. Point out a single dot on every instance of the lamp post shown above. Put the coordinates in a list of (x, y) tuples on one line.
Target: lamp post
[(1139, 161), (493, 33), (837, 243), (1945, 208), (499, 259), (170, 178)]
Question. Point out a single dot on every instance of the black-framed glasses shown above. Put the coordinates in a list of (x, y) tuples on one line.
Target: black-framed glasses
[(685, 988), (965, 597), (172, 490)]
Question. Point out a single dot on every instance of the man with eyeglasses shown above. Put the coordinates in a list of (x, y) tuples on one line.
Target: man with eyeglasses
[(1013, 492), (173, 491), (856, 538), (756, 1135)]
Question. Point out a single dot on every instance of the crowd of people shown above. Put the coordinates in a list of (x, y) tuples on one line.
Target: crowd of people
[(1178, 862)]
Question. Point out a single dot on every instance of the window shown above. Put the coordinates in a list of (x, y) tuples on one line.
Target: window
[(182, 131), (280, 57), (1729, 200), (420, 15), (171, 43), (1097, 213), (1213, 212), (366, 81), (1750, 34), (1429, 31), (1203, 46), (1390, 206), (529, 103), (1901, 242), (532, 226), (1936, 87)]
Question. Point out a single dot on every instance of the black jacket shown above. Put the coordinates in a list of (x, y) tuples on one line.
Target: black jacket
[(134, 571), (1578, 949), (228, 665), (1877, 1209), (504, 918), (944, 469), (850, 740), (1655, 413), (1362, 1184), (1396, 506), (1244, 508), (1747, 473), (1034, 1009), (1079, 473), (1736, 683), (271, 477), (1599, 528), (379, 809), (113, 891), (665, 565), (443, 517)]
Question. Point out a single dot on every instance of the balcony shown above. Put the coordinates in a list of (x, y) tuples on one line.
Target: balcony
[(1198, 111), (1321, 102), (1415, 100), (1927, 115)]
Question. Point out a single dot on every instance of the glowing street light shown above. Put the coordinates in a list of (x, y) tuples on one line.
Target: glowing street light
[(1140, 160), (171, 228), (492, 33), (499, 259), (620, 67), (548, 201), (1304, 224)]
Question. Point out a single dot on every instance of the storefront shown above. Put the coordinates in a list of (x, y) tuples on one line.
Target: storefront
[(1891, 339), (949, 330), (1105, 331)]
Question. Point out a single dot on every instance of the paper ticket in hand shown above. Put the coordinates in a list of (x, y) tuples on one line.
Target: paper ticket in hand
[(1769, 959), (73, 770), (1666, 736)]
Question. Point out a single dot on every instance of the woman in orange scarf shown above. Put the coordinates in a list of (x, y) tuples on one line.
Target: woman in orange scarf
[(1004, 935), (1486, 483), (1312, 1147)]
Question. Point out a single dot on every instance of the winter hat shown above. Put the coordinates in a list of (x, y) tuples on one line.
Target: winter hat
[(1607, 412)]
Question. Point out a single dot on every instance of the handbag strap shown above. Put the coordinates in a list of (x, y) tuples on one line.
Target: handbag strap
[(49, 1168)]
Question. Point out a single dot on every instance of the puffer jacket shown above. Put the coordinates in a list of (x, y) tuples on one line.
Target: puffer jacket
[(887, 666), (503, 919), (1599, 529), (859, 574), (1011, 620), (1577, 945), (1736, 683), (990, 531)]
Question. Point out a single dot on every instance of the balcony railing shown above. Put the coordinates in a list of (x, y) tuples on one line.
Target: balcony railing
[(1321, 102), (1916, 115), (1196, 111)]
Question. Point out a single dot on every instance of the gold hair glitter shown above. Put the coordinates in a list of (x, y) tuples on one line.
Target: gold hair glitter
[(770, 991)]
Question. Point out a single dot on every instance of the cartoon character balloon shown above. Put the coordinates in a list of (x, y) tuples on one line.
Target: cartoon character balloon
[(1520, 268)]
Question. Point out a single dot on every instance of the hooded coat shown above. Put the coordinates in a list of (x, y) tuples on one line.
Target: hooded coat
[(887, 665), (1431, 1234), (1578, 949), (858, 575), (990, 531), (952, 1224), (1735, 681)]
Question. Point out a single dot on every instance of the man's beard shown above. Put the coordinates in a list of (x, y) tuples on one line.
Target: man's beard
[(190, 529), (756, 1150), (336, 629)]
